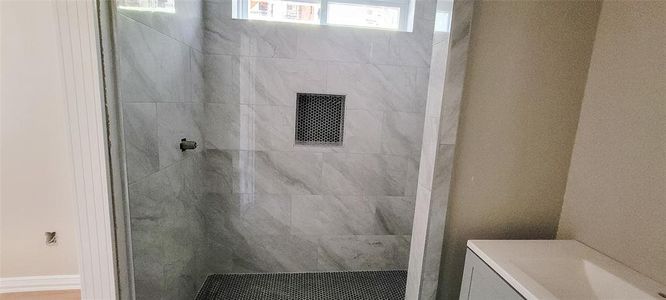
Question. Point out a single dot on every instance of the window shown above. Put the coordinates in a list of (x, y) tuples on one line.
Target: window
[(167, 6), (381, 14)]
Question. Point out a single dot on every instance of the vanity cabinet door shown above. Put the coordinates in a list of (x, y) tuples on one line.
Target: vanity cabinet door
[(480, 282)]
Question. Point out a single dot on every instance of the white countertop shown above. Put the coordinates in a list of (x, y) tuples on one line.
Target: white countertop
[(563, 269)]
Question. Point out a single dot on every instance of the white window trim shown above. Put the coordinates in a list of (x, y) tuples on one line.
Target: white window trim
[(240, 7)]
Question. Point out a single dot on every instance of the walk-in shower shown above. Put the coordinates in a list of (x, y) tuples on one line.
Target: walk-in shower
[(280, 158)]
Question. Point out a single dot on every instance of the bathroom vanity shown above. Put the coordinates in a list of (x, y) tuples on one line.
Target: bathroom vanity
[(549, 269)]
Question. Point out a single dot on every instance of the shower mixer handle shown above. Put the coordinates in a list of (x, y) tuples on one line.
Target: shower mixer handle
[(187, 145)]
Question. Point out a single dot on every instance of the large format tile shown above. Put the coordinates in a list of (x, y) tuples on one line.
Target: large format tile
[(223, 35), (220, 169), (141, 147), (294, 173), (336, 43), (403, 48), (147, 258), (176, 121), (455, 73), (409, 48), (274, 254), (436, 81), (362, 252), (152, 67), (412, 178), (364, 174), (264, 172), (268, 127), (263, 214), (395, 215), (428, 151), (402, 133), (333, 215), (375, 87), (184, 25), (167, 231), (362, 131), (276, 81), (221, 75), (223, 125)]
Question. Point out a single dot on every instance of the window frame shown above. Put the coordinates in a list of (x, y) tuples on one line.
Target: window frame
[(241, 9)]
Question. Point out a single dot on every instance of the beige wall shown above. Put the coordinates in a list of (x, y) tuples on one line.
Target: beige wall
[(615, 199), (526, 76), (36, 187)]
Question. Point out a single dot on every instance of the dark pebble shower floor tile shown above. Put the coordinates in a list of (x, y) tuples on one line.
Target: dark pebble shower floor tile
[(363, 285)]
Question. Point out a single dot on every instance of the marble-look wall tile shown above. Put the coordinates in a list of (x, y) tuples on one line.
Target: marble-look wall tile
[(266, 127), (412, 179), (257, 203), (336, 43), (223, 35), (152, 67), (167, 231), (364, 174), (294, 173), (221, 169), (222, 127), (149, 282), (403, 48), (141, 148), (362, 131), (442, 175), (197, 79), (409, 48), (290, 253), (183, 25), (263, 214), (362, 252), (417, 244), (402, 133), (176, 121), (436, 81), (422, 84), (264, 172), (247, 215), (334, 215), (429, 151), (221, 78), (436, 219), (394, 214), (271, 81), (375, 87), (455, 73)]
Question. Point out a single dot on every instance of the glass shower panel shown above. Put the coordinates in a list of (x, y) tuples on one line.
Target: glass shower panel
[(249, 198)]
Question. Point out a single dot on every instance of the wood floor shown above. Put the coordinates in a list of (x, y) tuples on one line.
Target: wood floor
[(47, 295)]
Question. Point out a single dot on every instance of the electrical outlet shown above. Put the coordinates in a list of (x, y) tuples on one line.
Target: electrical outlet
[(51, 238)]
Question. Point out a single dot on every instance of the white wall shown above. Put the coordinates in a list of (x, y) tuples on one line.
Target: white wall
[(36, 191), (615, 199)]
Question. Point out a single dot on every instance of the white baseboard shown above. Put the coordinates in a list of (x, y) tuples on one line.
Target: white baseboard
[(39, 283)]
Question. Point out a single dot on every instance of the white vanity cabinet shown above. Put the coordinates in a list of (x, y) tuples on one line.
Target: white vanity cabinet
[(549, 269), (480, 282)]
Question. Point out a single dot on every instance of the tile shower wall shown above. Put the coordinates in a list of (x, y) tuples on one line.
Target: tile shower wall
[(248, 199), (272, 206), (166, 186)]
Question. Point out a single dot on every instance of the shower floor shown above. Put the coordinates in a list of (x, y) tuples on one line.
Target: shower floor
[(362, 285)]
